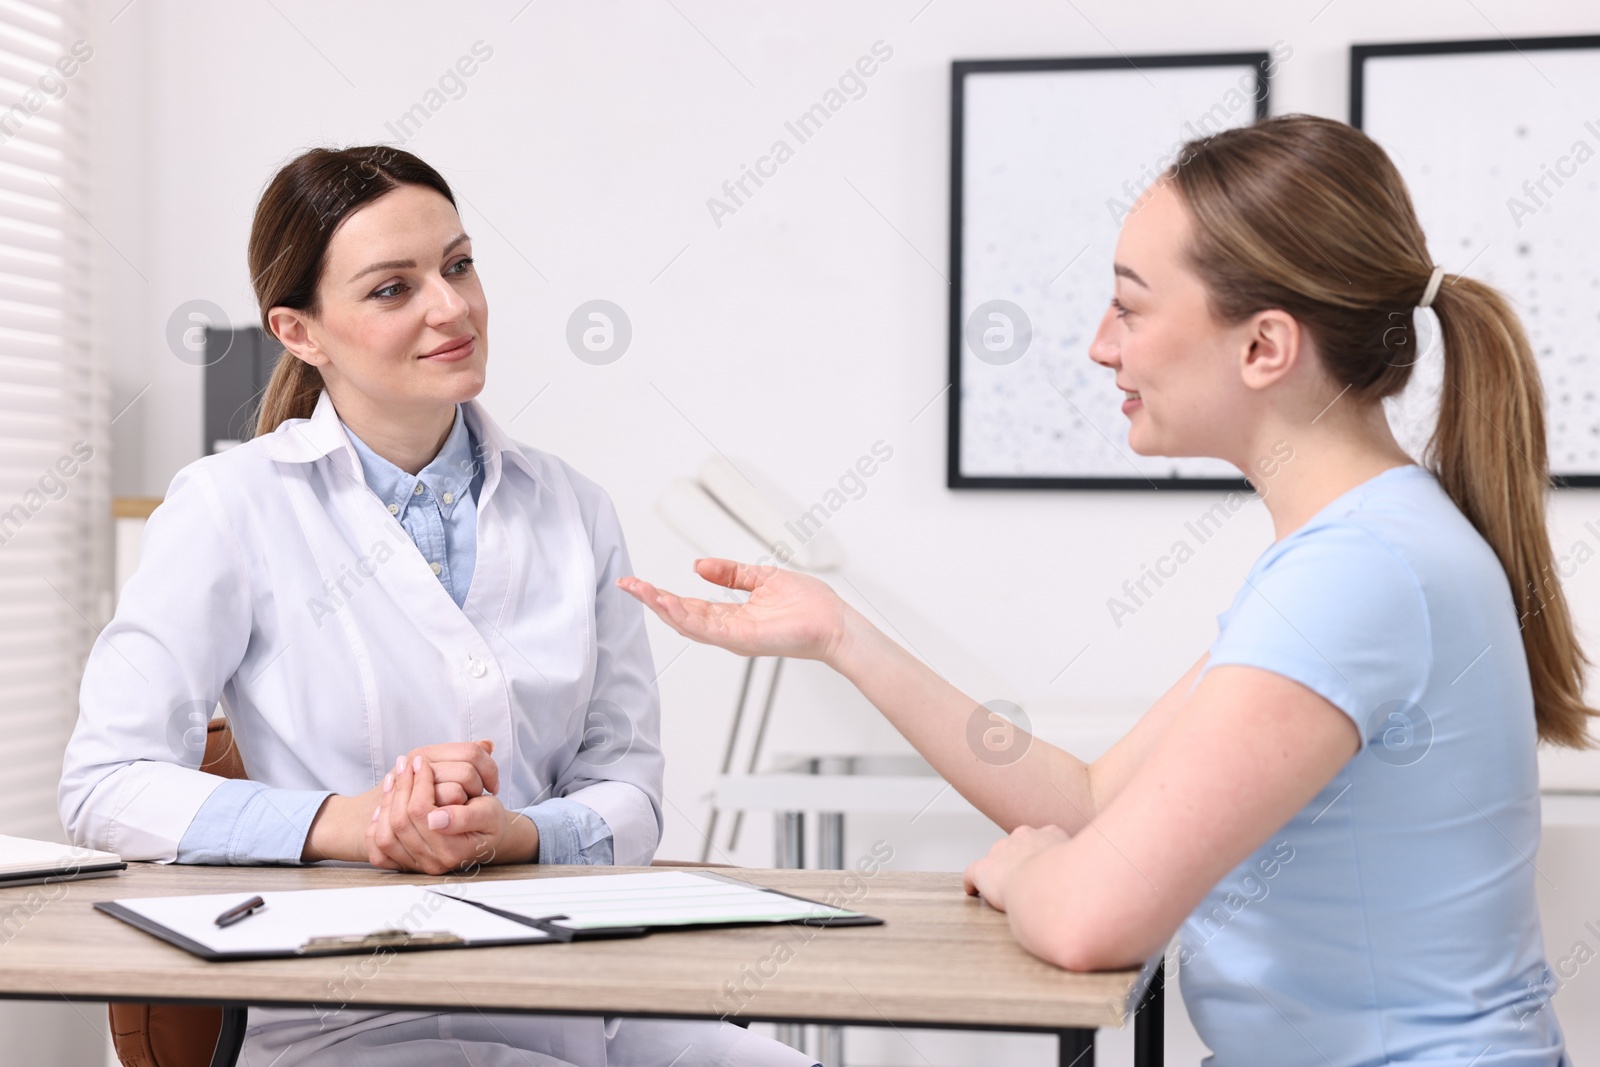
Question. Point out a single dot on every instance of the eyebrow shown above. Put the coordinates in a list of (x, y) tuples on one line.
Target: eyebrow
[(406, 264), (1128, 272)]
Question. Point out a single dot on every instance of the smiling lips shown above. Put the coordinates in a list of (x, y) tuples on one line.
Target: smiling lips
[(460, 348)]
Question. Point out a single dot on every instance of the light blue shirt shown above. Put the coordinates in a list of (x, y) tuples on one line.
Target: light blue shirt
[(245, 822), (436, 506), (1394, 919)]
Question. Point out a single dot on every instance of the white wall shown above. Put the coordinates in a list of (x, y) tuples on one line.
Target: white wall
[(803, 329)]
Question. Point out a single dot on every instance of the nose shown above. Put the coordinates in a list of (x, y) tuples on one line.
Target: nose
[(445, 304), (1104, 349)]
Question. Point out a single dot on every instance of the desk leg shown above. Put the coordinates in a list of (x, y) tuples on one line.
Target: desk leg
[(791, 839), (1149, 1022), (789, 834), (830, 855), (1076, 1048), (230, 1040), (830, 1041), (830, 840)]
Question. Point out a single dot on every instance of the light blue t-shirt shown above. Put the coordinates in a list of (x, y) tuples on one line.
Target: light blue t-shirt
[(1394, 919)]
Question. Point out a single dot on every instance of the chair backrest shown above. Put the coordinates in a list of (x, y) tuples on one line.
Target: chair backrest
[(221, 757), (177, 1035), (180, 1035)]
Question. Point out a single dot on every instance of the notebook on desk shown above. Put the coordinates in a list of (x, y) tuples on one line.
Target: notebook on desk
[(24, 861), (467, 914)]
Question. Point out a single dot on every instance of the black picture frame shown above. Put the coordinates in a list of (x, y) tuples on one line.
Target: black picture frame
[(1260, 61), (1361, 53)]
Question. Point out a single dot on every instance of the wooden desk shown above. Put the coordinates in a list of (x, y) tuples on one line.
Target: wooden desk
[(941, 959)]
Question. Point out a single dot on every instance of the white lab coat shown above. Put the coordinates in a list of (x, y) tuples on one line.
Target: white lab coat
[(272, 577)]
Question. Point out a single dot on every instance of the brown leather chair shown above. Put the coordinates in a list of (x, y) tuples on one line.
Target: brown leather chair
[(180, 1035)]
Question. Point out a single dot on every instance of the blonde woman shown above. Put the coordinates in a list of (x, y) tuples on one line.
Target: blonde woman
[(1336, 807), (410, 619)]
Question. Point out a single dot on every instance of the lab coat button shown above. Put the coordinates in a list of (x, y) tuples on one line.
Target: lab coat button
[(477, 668), (436, 567)]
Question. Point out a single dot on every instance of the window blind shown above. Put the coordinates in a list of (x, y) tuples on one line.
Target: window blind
[(55, 512)]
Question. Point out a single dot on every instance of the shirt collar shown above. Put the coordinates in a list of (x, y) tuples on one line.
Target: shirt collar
[(448, 474), (324, 434)]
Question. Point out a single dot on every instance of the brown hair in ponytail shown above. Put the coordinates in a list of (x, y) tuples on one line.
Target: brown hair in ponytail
[(302, 207), (1310, 215)]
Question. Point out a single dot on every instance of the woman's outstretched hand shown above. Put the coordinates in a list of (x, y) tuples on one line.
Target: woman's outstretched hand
[(787, 614)]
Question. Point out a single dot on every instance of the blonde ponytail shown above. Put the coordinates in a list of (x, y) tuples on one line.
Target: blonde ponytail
[(1488, 451)]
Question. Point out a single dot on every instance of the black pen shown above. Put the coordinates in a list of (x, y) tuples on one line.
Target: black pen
[(240, 911)]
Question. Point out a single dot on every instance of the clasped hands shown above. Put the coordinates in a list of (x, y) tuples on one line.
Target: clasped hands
[(434, 812)]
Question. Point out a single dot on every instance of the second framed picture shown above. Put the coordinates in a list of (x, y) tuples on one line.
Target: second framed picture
[(1499, 143)]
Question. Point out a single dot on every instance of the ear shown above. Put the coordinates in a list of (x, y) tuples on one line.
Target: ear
[(1270, 348), (294, 331)]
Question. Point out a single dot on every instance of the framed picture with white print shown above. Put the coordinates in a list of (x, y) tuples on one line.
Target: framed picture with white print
[(1047, 159)]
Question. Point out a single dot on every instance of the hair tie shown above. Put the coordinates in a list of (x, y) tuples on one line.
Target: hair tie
[(1433, 286)]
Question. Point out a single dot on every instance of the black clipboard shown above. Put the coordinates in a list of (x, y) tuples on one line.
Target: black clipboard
[(394, 940), (550, 924), (540, 930)]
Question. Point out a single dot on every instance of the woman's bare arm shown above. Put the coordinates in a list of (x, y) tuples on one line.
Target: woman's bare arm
[(1045, 786), (1246, 752), (790, 614)]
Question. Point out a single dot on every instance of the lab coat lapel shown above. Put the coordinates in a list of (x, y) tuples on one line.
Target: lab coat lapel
[(408, 582), (532, 593), (415, 589)]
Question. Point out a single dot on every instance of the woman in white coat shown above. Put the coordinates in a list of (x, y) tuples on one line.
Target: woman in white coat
[(410, 619)]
